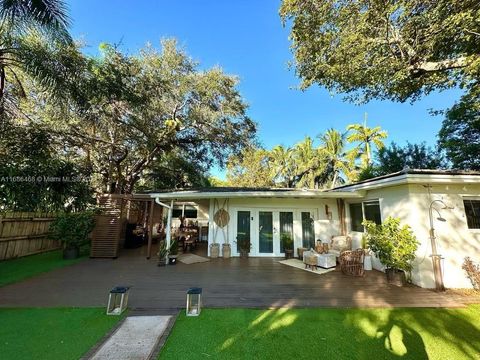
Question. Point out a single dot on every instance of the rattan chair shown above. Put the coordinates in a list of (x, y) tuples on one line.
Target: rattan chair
[(351, 262)]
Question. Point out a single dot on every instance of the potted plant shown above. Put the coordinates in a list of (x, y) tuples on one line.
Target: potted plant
[(287, 241), (72, 229), (244, 246), (394, 246), (162, 253), (367, 258), (214, 250), (226, 250), (173, 253)]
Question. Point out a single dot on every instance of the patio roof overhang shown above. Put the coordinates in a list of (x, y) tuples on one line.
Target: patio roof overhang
[(272, 193)]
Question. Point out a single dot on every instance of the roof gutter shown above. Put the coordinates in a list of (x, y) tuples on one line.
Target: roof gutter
[(303, 194)]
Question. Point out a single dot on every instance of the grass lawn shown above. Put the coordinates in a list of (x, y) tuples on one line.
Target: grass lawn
[(327, 334), (22, 268), (51, 333)]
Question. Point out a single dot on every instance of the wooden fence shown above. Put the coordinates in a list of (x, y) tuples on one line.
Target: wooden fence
[(24, 234)]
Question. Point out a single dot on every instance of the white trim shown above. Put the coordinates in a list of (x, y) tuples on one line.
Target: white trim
[(309, 194), (411, 179)]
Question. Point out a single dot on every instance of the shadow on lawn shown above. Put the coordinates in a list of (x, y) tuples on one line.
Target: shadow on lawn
[(359, 334)]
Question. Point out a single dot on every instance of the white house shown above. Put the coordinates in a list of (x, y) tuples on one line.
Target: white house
[(414, 196)]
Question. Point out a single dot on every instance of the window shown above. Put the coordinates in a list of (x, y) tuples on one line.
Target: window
[(190, 212), (177, 212), (368, 210), (356, 217), (472, 211), (372, 211)]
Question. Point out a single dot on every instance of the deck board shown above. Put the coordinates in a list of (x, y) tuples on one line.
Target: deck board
[(253, 283)]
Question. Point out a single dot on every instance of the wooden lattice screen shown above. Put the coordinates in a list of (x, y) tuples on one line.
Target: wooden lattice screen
[(109, 228)]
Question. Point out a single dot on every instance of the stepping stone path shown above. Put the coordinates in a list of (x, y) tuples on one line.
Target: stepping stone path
[(135, 339)]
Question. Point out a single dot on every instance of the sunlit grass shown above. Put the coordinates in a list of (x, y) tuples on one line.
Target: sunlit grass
[(327, 333)]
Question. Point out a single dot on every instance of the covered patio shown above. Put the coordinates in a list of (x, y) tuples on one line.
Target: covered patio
[(251, 283)]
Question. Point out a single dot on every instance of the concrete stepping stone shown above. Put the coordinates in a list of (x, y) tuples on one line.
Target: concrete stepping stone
[(135, 339)]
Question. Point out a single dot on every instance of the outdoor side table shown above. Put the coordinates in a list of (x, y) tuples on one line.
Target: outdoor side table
[(327, 261)]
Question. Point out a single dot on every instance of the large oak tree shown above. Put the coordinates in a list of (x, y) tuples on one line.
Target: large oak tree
[(385, 49)]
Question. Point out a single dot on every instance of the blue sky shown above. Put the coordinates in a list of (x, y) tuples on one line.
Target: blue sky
[(246, 38)]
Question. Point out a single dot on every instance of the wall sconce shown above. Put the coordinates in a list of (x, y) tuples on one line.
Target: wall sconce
[(328, 213)]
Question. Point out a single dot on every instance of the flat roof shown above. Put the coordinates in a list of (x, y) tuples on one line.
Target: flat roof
[(238, 192), (414, 176)]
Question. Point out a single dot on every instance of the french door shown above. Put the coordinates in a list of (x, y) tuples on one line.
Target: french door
[(267, 229)]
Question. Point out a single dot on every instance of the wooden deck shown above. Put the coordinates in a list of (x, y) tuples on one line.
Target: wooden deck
[(254, 282)]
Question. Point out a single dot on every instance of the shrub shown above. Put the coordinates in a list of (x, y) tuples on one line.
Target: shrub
[(244, 243), (287, 241), (73, 228), (473, 272), (395, 246)]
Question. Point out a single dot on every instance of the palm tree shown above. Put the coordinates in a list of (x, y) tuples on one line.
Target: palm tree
[(339, 160), (365, 137), (283, 166), (310, 164), (19, 20)]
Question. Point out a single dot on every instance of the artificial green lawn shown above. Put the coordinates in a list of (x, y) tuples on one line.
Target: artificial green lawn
[(327, 334), (51, 333), (15, 270)]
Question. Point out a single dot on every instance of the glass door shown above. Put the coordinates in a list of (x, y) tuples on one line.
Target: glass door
[(243, 227), (308, 230), (286, 228), (265, 232)]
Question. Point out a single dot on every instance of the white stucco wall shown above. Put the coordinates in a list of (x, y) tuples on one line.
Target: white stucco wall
[(325, 226), (455, 241)]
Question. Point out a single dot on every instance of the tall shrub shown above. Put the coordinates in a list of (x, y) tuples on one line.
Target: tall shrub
[(394, 245), (73, 228)]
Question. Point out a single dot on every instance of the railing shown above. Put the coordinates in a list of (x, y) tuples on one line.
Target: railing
[(25, 233)]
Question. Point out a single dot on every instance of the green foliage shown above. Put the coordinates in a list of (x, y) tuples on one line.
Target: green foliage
[(21, 21), (162, 251), (33, 177), (58, 334), (379, 333), (287, 240), (73, 229), (139, 115), (460, 133), (19, 269), (366, 137), (326, 165), (392, 244), (251, 168), (396, 158), (173, 248), (390, 49), (244, 243)]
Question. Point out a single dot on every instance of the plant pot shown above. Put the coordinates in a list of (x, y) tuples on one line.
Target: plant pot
[(226, 251), (288, 253), (214, 251), (244, 254), (71, 252), (367, 262), (172, 259), (162, 262), (396, 277)]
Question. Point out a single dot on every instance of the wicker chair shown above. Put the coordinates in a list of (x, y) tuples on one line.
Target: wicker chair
[(351, 262)]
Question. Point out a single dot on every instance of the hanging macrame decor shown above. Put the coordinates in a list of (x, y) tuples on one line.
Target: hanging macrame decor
[(221, 218)]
